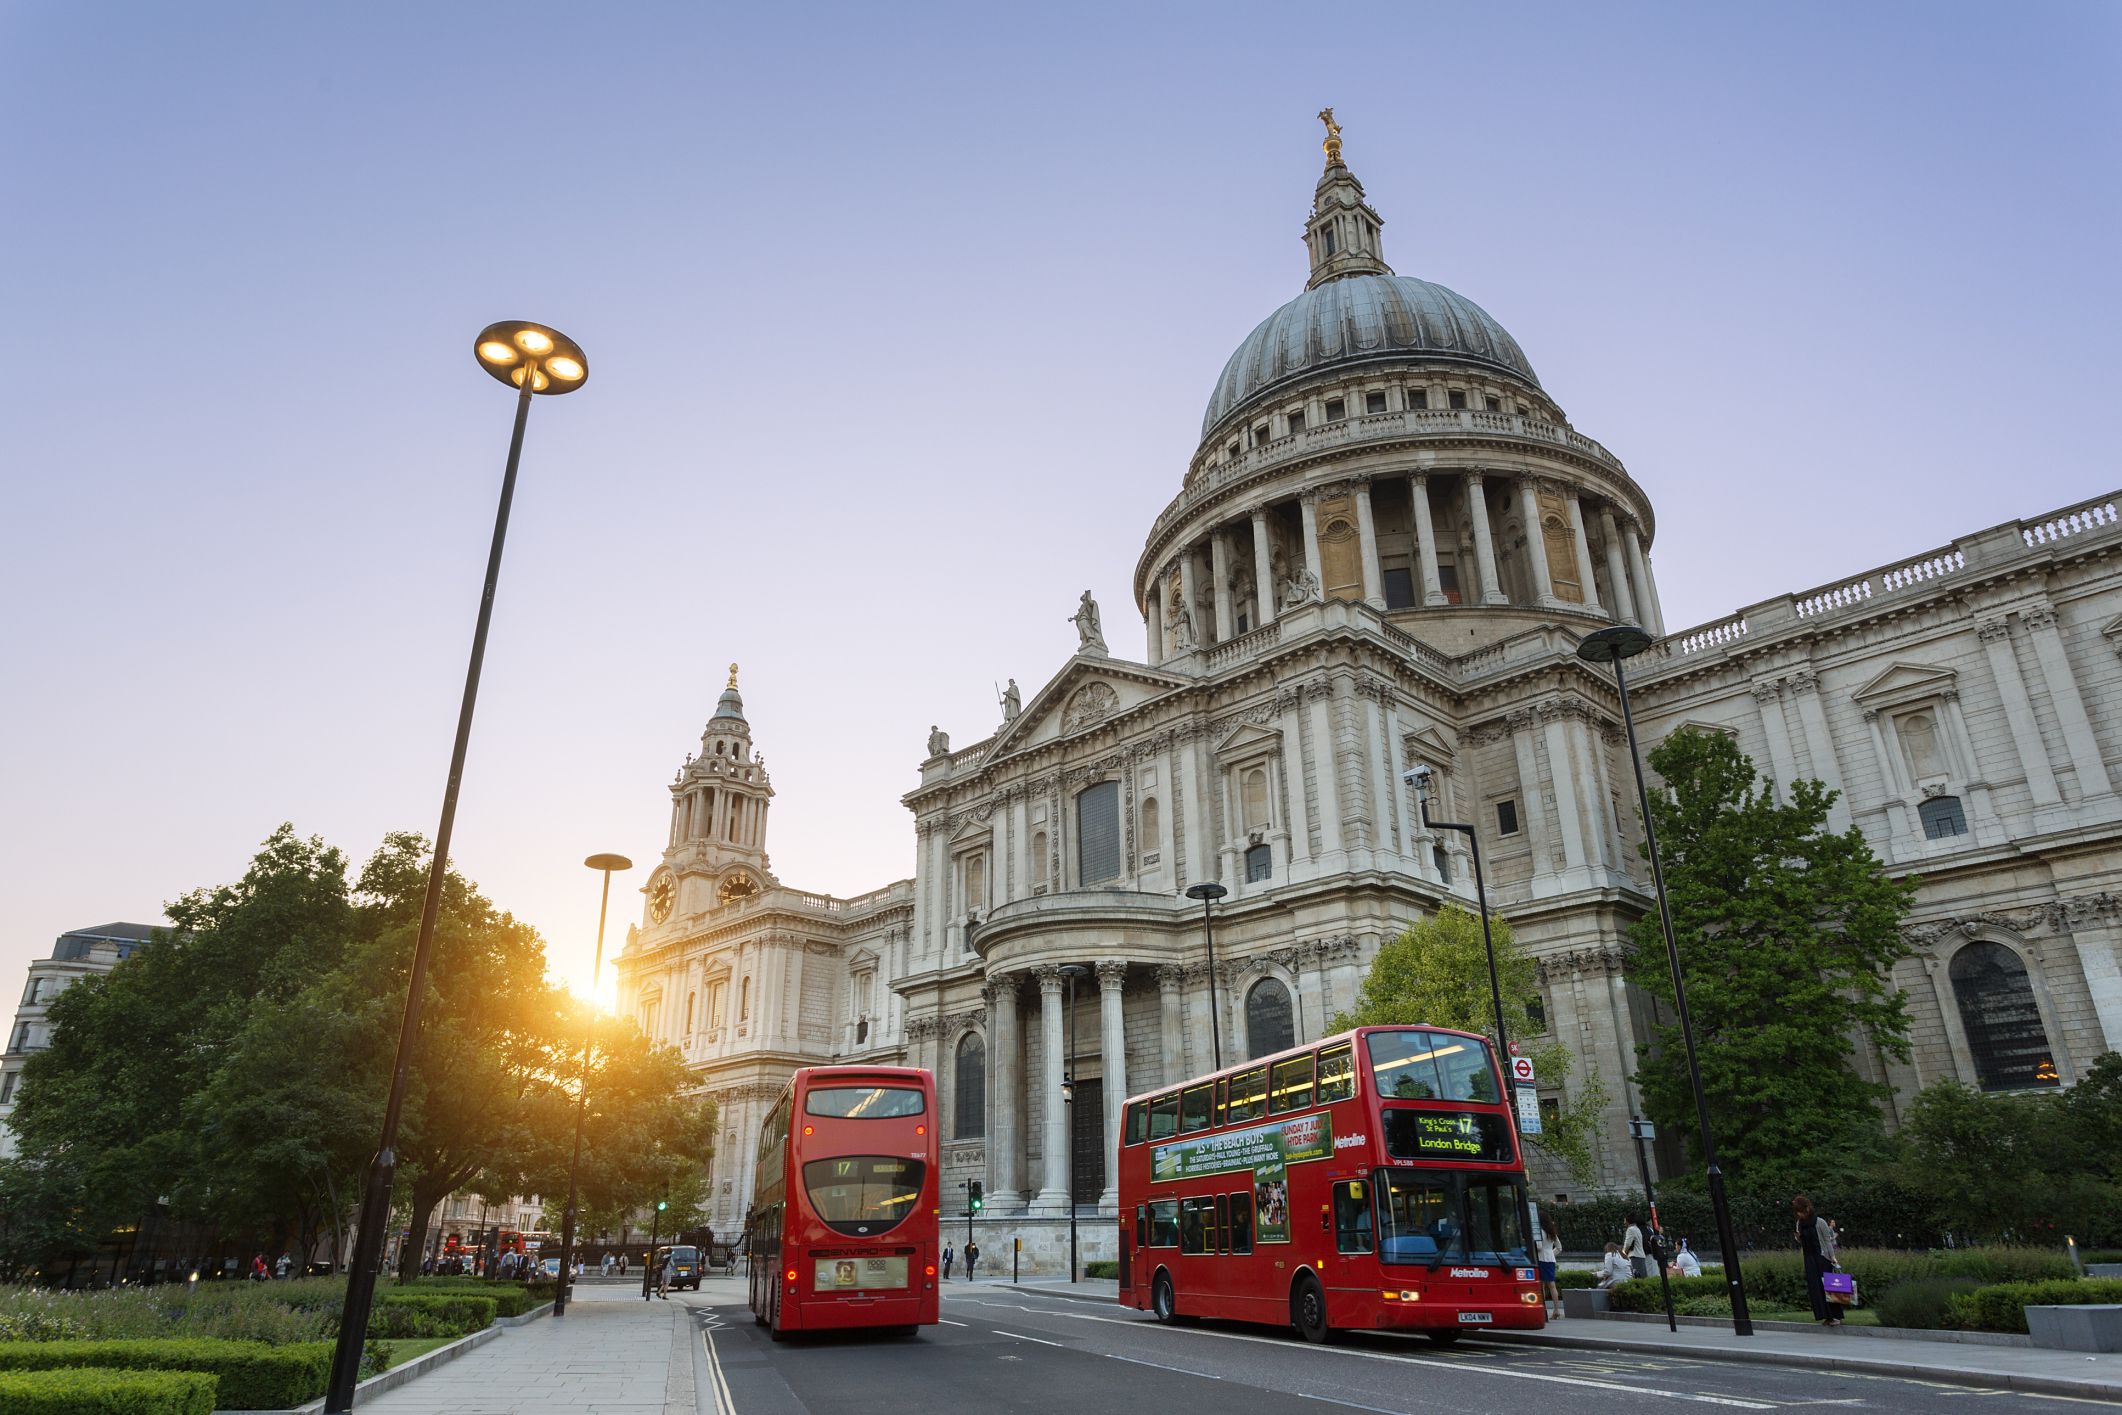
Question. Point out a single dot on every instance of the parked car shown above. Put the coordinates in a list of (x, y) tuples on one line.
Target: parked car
[(685, 1264)]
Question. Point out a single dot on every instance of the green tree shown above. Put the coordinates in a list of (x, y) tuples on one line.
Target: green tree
[(1786, 934), (1437, 973)]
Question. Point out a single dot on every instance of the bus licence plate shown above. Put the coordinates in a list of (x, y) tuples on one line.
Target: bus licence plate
[(1477, 1316), (860, 1274)]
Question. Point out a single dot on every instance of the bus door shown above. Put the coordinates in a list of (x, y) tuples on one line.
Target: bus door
[(1352, 1264), (1127, 1246)]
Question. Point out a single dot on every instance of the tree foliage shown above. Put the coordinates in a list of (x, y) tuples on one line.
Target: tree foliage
[(1786, 933), (1437, 973)]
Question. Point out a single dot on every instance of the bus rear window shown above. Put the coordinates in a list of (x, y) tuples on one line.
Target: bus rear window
[(864, 1102), (1137, 1122), (863, 1194), (1248, 1095), (1432, 1066), (1164, 1117), (1193, 1108)]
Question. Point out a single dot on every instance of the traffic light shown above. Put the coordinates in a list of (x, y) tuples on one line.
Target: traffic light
[(976, 1200), (662, 1204)]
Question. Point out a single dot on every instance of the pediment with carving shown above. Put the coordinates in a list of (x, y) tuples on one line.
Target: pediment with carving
[(1907, 683), (1089, 691)]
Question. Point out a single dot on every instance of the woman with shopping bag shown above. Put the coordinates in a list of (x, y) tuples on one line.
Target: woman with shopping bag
[(1817, 1240)]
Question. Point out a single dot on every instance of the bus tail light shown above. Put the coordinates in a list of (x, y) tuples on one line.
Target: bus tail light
[(920, 1129), (791, 1274), (810, 1129), (1528, 1298), (931, 1269), (1403, 1295)]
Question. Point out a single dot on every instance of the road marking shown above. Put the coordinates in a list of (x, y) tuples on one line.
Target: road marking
[(1040, 1339), (1160, 1366), (719, 1382), (949, 1323)]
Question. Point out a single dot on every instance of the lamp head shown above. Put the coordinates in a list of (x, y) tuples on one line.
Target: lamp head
[(1207, 889), (516, 349), (1608, 645), (609, 862)]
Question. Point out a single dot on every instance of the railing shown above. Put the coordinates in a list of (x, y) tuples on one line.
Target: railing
[(2062, 525), (1245, 645), (1415, 648), (1837, 597), (1710, 636)]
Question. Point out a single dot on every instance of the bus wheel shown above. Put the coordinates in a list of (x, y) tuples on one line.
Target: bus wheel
[(1162, 1300), (1443, 1336), (1307, 1311)]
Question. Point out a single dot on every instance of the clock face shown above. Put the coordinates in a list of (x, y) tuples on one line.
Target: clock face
[(661, 894)]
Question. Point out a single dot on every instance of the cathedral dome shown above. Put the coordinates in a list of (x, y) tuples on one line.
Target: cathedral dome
[(1352, 319)]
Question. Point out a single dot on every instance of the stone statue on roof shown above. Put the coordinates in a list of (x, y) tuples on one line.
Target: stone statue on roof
[(1012, 703), (1090, 635)]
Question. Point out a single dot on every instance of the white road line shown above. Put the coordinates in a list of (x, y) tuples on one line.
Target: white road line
[(1159, 1366), (1021, 1337), (946, 1321), (723, 1403)]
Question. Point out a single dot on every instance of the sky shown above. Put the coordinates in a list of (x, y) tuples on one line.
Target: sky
[(900, 322)]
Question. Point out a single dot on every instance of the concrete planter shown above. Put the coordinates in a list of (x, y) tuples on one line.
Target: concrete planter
[(2092, 1327), (1585, 1301)]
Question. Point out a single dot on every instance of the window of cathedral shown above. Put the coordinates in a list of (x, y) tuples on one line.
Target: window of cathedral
[(1418, 398), (1492, 403), (1399, 587), (1374, 402), (1233, 449), (714, 1004), (1253, 790), (1296, 420), (1098, 833), (974, 875), (1536, 1014), (1270, 1024), (1942, 817), (1448, 579), (1457, 397), (1506, 817), (2005, 1036), (1259, 863), (1440, 857), (1329, 245), (1336, 410), (1261, 433), (969, 1090)]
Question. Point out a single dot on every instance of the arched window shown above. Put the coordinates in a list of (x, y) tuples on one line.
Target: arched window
[(1098, 833), (1255, 795), (1942, 817), (744, 1001), (969, 1105), (2003, 1023), (975, 882), (1259, 863), (1152, 826), (1269, 1024)]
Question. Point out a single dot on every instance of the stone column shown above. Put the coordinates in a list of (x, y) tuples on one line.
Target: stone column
[(1901, 838), (1190, 601), (1171, 994), (1199, 864), (1995, 635), (2100, 957), (1112, 1017), (1053, 1191), (1646, 591), (1535, 542), (2077, 728), (1490, 590), (1819, 744), (1624, 605), (1367, 541), (1584, 553), (1563, 780), (1298, 821), (1005, 1107), (1263, 570), (1219, 567), (1153, 623), (1308, 507), (1783, 765), (1532, 810), (1426, 540)]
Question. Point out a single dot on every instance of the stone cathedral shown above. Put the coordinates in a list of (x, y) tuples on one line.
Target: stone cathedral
[(1383, 553)]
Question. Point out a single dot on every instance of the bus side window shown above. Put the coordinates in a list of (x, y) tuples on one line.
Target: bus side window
[(1248, 1095), (1194, 1108), (1337, 1073), (1352, 1216), (1222, 1099), (1223, 1223), (1164, 1117), (1164, 1223), (1241, 1222), (1137, 1122), (1192, 1230), (1292, 1085)]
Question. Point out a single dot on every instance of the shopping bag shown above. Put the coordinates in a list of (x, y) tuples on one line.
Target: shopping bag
[(1840, 1288)]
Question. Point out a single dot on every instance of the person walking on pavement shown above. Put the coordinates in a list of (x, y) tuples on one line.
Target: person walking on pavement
[(663, 1277), (948, 1256), (1632, 1249), (1550, 1253), (1817, 1241), (972, 1259)]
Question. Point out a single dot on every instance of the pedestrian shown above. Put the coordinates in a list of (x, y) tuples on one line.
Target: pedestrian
[(258, 1270), (1686, 1263), (663, 1277), (1632, 1249), (1550, 1253), (972, 1259), (1613, 1267), (1817, 1241), (948, 1256), (285, 1265)]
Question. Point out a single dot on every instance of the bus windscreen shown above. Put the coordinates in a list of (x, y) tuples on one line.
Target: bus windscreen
[(1431, 1066)]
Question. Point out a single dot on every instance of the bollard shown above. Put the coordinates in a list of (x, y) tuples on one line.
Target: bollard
[(1016, 1258)]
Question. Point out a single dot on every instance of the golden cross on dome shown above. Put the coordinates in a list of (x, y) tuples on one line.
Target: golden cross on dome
[(733, 675), (1333, 137)]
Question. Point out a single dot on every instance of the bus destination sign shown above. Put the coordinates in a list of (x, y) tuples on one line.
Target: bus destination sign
[(1447, 1134)]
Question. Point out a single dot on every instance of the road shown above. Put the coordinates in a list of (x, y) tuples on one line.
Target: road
[(1016, 1349)]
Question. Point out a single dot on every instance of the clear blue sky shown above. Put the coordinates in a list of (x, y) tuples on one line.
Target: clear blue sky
[(901, 319)]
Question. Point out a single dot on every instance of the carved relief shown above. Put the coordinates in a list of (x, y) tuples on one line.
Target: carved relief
[(1092, 703)]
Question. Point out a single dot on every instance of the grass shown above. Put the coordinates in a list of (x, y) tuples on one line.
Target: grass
[(405, 1349)]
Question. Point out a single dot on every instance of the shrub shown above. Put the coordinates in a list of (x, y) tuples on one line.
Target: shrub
[(274, 1312), (1995, 1265), (40, 1326), (1644, 1294), (91, 1391), (251, 1375), (510, 1299), (1576, 1277), (420, 1314), (1101, 1267), (2003, 1307), (1924, 1304)]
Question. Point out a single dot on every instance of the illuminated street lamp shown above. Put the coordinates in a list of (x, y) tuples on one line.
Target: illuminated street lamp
[(606, 863), (1208, 892), (531, 358), (1613, 646)]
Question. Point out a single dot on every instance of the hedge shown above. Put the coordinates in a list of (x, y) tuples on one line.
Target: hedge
[(1101, 1267), (510, 1299), (94, 1391), (1877, 1213), (418, 1314), (252, 1375), (1778, 1279), (2003, 1307)]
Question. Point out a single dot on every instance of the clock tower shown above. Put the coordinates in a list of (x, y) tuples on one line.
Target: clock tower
[(719, 801)]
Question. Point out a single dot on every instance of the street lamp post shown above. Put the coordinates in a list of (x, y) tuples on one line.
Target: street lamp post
[(531, 358), (1071, 971), (1420, 775), (606, 863), (1612, 646), (1208, 892)]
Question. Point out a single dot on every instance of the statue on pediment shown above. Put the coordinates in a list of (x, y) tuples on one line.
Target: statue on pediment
[(1012, 703), (938, 742), (1090, 635)]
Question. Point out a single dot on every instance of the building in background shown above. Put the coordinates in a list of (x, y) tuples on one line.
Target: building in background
[(1384, 552), (76, 955)]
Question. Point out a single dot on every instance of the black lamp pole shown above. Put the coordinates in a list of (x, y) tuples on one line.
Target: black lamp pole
[(1488, 938), (1208, 892), (1612, 646), (606, 863), (533, 359), (1072, 971)]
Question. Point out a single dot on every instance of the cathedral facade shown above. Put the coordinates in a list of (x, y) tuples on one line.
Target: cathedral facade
[(1383, 554)]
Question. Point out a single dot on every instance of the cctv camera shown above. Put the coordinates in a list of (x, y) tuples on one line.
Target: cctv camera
[(1417, 776)]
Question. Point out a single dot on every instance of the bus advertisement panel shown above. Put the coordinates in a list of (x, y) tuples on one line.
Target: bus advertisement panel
[(1370, 1181), (844, 1224)]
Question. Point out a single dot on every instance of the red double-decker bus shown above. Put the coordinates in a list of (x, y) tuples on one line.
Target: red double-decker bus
[(1369, 1181), (843, 1228)]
